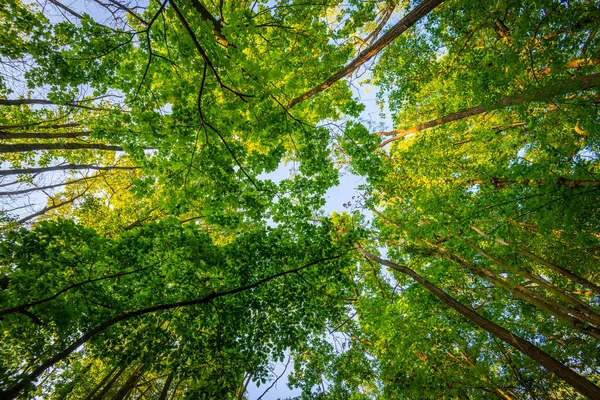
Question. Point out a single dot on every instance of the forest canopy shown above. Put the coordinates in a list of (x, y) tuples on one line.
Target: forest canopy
[(165, 166)]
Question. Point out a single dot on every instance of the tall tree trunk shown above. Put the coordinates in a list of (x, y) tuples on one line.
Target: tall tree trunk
[(166, 387), (580, 310), (76, 104), (579, 383), (535, 299), (15, 391), (105, 389), (41, 135), (129, 384), (25, 147), (66, 167), (556, 268), (424, 8), (579, 83)]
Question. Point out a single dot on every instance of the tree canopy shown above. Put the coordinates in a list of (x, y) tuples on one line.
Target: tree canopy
[(165, 164)]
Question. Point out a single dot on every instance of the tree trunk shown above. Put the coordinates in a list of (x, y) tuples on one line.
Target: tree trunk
[(165, 391), (106, 388), (23, 171), (41, 135), (25, 147), (128, 386), (535, 299), (15, 391), (424, 8), (579, 83), (579, 383), (580, 310), (76, 104), (556, 268)]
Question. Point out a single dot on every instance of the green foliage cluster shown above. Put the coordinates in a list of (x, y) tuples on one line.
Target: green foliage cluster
[(170, 263)]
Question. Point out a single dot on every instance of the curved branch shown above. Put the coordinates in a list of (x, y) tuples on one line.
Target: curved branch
[(402, 26), (23, 171), (14, 392)]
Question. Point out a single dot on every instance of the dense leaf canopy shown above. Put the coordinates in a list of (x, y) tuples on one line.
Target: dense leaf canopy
[(164, 170)]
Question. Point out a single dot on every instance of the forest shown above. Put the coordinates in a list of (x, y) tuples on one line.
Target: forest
[(164, 171)]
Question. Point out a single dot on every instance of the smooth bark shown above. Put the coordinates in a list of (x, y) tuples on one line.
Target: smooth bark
[(23, 171), (16, 390), (25, 147), (579, 83), (420, 11), (578, 382)]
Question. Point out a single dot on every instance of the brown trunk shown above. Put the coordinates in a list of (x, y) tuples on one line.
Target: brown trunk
[(424, 8), (165, 391), (14, 391), (106, 388), (556, 268), (576, 84), (582, 315), (65, 167), (34, 189), (175, 389), (129, 385), (580, 310), (579, 383), (541, 302), (41, 135), (25, 147), (20, 102)]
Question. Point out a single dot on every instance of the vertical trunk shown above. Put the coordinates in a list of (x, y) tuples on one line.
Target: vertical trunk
[(579, 383), (106, 388), (128, 386), (165, 391), (175, 389), (420, 11), (544, 304), (579, 309), (556, 268)]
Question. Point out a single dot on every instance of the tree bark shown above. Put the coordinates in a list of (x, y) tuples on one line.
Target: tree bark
[(23, 171), (578, 382), (579, 309), (547, 305), (129, 384), (579, 83), (166, 387), (424, 8), (106, 388), (556, 268), (20, 102), (15, 391), (25, 147), (42, 135)]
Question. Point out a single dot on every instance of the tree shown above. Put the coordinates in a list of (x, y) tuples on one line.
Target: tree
[(147, 253)]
